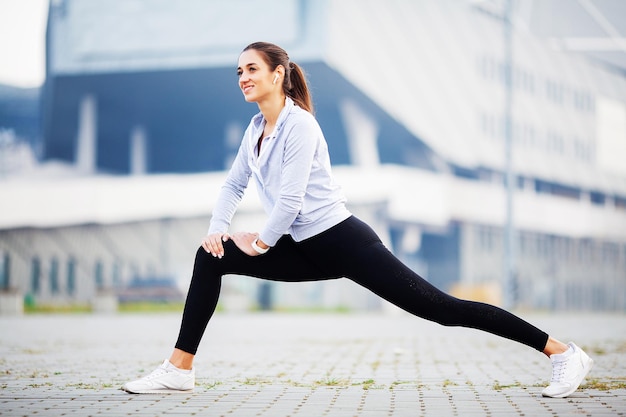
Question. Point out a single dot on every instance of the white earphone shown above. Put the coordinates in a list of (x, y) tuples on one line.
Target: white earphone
[(275, 79)]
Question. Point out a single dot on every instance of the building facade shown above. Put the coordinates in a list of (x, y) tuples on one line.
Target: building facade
[(412, 97)]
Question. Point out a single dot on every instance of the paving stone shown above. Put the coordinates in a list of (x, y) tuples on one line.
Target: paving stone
[(303, 365)]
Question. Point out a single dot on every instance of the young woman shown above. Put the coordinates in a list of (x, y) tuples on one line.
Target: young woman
[(310, 235)]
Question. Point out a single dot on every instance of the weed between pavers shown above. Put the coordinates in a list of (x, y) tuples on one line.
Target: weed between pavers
[(332, 382), (606, 384), (365, 384), (45, 384), (369, 384), (92, 386), (211, 385), (38, 374), (326, 382), (449, 383), (256, 381), (499, 387), (605, 349)]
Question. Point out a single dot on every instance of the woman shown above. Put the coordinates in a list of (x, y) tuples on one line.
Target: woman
[(310, 235)]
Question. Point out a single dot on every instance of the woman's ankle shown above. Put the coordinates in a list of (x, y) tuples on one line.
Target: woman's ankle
[(554, 347), (181, 359)]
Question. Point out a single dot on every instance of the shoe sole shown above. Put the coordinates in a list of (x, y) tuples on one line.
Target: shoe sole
[(586, 370), (156, 391)]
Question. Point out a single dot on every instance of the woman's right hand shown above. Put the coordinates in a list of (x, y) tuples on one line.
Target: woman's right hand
[(213, 243)]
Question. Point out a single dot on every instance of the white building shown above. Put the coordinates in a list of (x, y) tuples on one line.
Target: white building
[(411, 96)]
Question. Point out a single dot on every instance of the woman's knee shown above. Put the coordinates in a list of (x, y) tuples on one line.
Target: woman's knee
[(204, 261), (212, 264), (201, 254)]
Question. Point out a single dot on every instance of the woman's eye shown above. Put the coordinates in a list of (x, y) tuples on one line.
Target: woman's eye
[(239, 73)]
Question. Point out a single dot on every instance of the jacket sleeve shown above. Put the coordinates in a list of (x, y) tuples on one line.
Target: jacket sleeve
[(231, 192)]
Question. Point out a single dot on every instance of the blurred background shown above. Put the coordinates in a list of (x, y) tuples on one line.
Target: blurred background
[(484, 140)]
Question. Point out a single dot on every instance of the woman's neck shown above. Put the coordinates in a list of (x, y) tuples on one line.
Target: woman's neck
[(271, 108)]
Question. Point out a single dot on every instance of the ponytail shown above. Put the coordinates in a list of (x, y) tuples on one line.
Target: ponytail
[(299, 91), (294, 83)]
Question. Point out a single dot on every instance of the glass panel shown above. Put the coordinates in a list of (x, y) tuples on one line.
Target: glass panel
[(71, 276)]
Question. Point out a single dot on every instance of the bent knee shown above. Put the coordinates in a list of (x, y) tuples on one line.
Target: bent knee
[(204, 258)]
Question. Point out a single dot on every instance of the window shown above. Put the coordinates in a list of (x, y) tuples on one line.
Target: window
[(99, 274), (35, 276), (597, 197), (4, 271), (610, 253), (54, 276), (71, 276), (117, 280)]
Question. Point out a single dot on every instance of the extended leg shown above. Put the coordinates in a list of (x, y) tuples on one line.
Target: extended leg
[(353, 249)]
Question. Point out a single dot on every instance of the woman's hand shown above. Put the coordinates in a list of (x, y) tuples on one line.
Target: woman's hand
[(213, 243), (244, 240)]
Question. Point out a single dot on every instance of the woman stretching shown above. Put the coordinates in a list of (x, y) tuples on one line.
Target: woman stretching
[(309, 234)]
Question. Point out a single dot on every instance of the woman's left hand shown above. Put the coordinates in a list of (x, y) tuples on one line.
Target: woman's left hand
[(244, 240)]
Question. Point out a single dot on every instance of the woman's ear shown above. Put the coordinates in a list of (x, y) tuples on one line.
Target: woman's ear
[(280, 72)]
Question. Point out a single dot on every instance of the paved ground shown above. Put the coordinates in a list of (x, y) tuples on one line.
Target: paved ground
[(302, 365)]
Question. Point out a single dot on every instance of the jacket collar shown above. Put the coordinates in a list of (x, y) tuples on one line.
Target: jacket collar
[(259, 121)]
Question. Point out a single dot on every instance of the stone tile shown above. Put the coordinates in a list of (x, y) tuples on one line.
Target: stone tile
[(302, 365)]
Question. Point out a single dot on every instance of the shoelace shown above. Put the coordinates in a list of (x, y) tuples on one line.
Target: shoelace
[(558, 370), (156, 373)]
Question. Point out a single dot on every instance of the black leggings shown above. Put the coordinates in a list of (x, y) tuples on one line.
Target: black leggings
[(350, 249)]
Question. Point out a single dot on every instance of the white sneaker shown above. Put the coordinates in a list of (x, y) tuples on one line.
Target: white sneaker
[(568, 371), (166, 379)]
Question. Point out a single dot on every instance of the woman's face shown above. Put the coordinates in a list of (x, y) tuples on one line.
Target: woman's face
[(255, 77)]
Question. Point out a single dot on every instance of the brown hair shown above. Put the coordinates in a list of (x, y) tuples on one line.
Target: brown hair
[(294, 82)]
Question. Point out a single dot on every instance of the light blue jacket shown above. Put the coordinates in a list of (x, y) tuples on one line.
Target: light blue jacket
[(293, 177)]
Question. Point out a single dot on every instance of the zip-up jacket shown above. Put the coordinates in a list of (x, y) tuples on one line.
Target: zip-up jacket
[(293, 177)]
